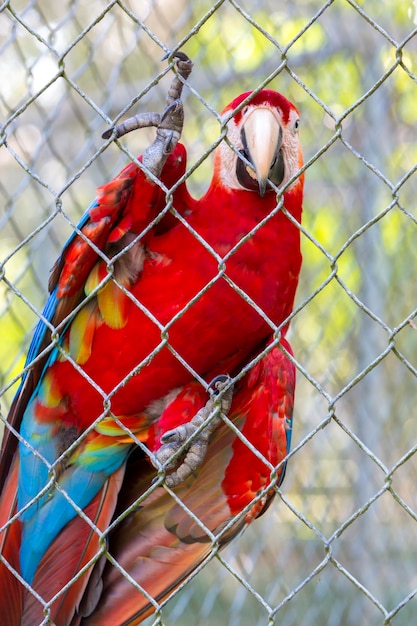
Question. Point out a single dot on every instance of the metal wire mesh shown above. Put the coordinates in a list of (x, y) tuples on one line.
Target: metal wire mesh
[(339, 546)]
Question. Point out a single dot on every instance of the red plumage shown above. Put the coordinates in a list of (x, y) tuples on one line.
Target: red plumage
[(163, 303)]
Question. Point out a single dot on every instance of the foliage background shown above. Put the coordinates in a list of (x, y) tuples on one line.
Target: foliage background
[(340, 546)]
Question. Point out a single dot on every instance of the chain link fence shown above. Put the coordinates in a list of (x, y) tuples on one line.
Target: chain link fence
[(339, 545)]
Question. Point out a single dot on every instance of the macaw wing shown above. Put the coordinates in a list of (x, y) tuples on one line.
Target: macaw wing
[(111, 223), (124, 208)]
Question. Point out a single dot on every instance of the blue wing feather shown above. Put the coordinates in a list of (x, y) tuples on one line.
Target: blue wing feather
[(52, 301)]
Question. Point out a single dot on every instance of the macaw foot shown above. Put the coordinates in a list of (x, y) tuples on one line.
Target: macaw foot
[(168, 134), (169, 125), (196, 443)]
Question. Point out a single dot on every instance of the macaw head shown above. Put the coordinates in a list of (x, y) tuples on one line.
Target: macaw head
[(266, 149)]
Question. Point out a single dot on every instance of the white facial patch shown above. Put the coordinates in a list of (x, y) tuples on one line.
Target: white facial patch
[(289, 148)]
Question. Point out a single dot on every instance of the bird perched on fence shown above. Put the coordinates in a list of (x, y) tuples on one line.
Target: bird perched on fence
[(118, 475)]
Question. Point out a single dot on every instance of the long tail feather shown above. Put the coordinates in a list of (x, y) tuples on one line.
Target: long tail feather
[(11, 590), (57, 587)]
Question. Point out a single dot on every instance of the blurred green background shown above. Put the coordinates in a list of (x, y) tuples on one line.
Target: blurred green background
[(351, 70)]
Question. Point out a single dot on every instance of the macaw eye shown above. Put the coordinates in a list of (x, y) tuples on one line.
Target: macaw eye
[(296, 124)]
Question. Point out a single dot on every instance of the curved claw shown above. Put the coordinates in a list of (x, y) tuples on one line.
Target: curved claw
[(184, 438), (171, 109), (183, 62), (218, 384), (177, 55)]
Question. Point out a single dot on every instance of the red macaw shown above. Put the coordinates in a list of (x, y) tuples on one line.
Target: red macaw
[(145, 311)]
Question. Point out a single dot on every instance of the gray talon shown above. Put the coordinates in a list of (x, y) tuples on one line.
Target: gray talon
[(175, 441), (169, 125)]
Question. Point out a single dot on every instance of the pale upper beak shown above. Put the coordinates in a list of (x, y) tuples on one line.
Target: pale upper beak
[(263, 135)]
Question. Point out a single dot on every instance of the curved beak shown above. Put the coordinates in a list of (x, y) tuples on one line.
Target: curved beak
[(262, 134)]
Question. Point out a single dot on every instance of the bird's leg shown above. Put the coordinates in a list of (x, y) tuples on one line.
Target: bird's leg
[(169, 125), (172, 120), (188, 443)]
